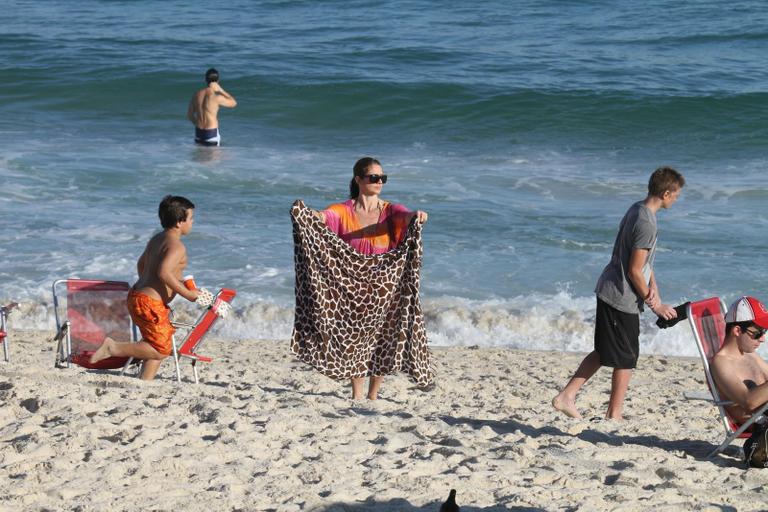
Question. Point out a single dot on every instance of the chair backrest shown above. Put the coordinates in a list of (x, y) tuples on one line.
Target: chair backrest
[(205, 322), (707, 320), (4, 341), (95, 309), (4, 310)]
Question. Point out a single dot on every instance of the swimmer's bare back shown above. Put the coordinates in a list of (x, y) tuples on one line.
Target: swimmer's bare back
[(205, 109)]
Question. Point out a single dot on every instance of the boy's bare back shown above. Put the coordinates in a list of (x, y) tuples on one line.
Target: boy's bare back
[(164, 259)]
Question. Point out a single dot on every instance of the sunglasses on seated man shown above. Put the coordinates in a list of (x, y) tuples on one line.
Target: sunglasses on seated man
[(375, 178), (757, 333)]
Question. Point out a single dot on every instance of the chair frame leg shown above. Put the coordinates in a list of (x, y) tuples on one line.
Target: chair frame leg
[(62, 346), (5, 339), (743, 428), (176, 358), (69, 350)]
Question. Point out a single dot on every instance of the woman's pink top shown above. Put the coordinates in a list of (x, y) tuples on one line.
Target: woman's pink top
[(376, 239)]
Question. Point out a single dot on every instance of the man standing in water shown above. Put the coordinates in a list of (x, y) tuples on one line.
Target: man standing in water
[(626, 283), (204, 108)]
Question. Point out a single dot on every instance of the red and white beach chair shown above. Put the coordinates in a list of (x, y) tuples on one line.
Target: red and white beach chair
[(196, 333), (4, 340), (87, 311), (707, 320)]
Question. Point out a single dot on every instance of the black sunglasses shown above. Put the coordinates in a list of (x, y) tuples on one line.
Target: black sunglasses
[(375, 178), (755, 335)]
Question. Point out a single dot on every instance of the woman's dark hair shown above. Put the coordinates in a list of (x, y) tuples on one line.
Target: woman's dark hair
[(360, 168), (173, 209)]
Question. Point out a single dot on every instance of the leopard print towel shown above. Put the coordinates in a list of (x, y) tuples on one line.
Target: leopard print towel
[(357, 315)]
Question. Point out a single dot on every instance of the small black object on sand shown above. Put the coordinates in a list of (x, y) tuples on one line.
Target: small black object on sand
[(450, 504)]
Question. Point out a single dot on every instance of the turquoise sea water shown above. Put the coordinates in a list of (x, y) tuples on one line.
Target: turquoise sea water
[(525, 129)]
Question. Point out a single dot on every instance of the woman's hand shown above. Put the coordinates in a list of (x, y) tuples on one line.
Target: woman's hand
[(421, 216), (320, 215)]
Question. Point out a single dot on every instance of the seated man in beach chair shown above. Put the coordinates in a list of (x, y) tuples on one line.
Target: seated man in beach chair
[(740, 374)]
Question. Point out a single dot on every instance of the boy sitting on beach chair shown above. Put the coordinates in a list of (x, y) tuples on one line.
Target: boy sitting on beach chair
[(740, 374), (160, 268)]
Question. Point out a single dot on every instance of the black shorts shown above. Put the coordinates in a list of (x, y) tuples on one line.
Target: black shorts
[(617, 336)]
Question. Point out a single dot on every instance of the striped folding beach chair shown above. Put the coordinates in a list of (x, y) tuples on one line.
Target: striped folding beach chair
[(87, 311), (196, 332)]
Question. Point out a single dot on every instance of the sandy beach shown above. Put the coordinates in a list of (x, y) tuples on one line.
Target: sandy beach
[(263, 431)]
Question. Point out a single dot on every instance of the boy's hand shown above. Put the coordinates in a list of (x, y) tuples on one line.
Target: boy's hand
[(222, 309), (665, 311), (204, 298)]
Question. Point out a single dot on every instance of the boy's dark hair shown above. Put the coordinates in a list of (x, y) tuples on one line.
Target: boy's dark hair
[(664, 179), (211, 76), (173, 209)]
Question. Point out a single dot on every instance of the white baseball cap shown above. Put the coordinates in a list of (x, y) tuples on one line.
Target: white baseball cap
[(748, 309)]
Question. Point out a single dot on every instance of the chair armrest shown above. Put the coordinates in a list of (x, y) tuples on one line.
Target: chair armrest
[(705, 396), (5, 310)]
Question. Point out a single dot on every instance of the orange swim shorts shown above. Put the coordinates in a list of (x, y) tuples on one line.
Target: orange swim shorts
[(151, 316)]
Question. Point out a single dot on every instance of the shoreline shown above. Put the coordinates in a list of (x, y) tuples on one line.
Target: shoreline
[(265, 431)]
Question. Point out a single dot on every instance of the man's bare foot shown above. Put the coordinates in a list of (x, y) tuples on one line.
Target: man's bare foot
[(373, 396), (566, 407), (103, 352)]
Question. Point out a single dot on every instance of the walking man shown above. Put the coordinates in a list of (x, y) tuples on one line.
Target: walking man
[(625, 286)]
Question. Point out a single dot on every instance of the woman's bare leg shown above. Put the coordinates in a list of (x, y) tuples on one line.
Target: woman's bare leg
[(357, 388), (373, 387)]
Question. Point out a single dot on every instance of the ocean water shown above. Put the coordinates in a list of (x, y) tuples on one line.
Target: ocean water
[(525, 129)]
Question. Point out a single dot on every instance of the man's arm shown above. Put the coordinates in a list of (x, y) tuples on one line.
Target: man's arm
[(192, 111), (167, 271), (635, 273), (730, 384), (763, 366), (648, 291), (224, 98)]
